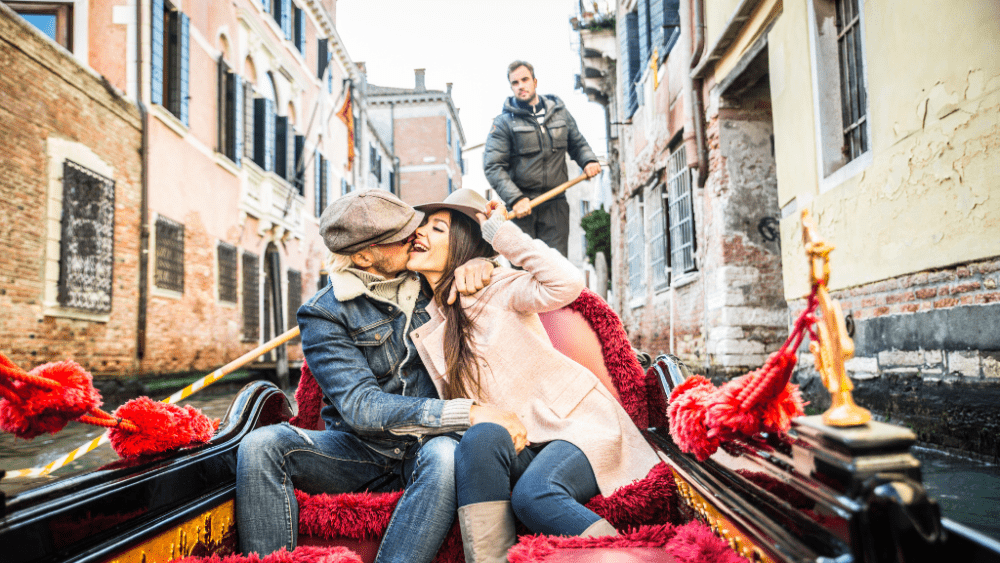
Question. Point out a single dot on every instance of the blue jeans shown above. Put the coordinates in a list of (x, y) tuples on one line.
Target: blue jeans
[(547, 485), (275, 460)]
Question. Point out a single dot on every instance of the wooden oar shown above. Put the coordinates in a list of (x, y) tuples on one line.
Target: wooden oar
[(178, 396), (557, 190)]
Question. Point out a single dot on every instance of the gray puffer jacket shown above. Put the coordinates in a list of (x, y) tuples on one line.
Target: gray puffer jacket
[(524, 158)]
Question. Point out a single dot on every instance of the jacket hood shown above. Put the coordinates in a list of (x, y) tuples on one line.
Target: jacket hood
[(552, 103)]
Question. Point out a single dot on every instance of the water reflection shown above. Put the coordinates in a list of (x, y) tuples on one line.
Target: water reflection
[(967, 490)]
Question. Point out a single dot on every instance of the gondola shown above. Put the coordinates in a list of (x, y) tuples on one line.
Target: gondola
[(816, 493)]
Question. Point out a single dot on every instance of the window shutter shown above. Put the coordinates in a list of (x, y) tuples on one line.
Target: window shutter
[(343, 186), (628, 33), (324, 176), (286, 18), (259, 130), (281, 145), (300, 30), (185, 65), (237, 127), (672, 26), (248, 116), (449, 131), (656, 11), (289, 147), (222, 108), (269, 135), (156, 36), (266, 4), (317, 184), (643, 34), (298, 165), (323, 57), (329, 76)]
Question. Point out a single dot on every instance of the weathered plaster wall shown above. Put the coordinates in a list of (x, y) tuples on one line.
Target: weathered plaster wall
[(931, 193)]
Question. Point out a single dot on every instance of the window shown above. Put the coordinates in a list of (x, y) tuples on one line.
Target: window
[(636, 247), (321, 187), (169, 72), (853, 102), (51, 18), (247, 118), (227, 272), (230, 113), (251, 297), (294, 292), (842, 110), (299, 175), (299, 29), (322, 58), (282, 164), (629, 65), (344, 188), (658, 243), (86, 253), (458, 157), (392, 182), (169, 254), (324, 279), (449, 132), (658, 28), (450, 186), (265, 125), (281, 11), (680, 214)]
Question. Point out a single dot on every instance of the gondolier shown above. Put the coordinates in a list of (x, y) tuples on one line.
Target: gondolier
[(525, 156)]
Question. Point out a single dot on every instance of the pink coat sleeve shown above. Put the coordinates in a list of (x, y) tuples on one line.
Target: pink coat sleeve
[(549, 281)]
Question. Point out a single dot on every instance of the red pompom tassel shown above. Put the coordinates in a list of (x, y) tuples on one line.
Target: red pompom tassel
[(688, 405), (760, 401), (161, 426), (49, 410)]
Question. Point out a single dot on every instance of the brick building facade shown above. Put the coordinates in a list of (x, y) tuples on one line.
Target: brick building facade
[(243, 149), (423, 130), (64, 130)]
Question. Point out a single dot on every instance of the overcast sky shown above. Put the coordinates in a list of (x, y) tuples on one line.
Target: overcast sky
[(470, 43)]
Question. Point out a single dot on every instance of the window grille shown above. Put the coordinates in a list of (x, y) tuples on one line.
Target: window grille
[(636, 247), (251, 297), (658, 245), (853, 100), (169, 254), (680, 218), (227, 272), (86, 258), (294, 295)]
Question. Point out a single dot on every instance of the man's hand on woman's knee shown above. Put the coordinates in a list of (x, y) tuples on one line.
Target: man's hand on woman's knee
[(507, 419)]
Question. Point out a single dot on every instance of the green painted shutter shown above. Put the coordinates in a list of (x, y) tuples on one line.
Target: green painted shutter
[(185, 48), (238, 119)]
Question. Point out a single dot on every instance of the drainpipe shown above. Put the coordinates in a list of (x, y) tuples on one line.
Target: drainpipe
[(693, 88), (140, 344)]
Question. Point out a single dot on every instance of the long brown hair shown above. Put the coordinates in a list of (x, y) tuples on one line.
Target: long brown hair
[(465, 242)]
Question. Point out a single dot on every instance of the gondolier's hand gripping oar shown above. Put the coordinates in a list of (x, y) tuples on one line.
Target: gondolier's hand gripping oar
[(553, 193)]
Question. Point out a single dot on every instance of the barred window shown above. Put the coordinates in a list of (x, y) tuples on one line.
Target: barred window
[(169, 254), (294, 295), (658, 245), (681, 217), (853, 103), (636, 247), (86, 257), (251, 297), (227, 272)]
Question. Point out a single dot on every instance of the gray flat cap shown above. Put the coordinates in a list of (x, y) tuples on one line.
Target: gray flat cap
[(363, 218)]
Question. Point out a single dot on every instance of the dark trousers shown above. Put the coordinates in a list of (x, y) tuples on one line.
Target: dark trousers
[(549, 222)]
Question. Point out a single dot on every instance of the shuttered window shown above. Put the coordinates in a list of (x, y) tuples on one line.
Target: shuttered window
[(281, 164), (264, 126), (299, 29), (323, 57), (681, 215), (286, 18), (299, 170), (86, 248), (170, 30), (230, 113), (636, 247), (228, 283), (169, 254), (247, 119), (344, 187), (321, 184), (449, 132), (251, 297), (628, 67)]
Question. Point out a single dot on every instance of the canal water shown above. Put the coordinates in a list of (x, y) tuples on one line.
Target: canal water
[(967, 490)]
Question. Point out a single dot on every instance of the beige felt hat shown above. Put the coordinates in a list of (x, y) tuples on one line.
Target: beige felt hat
[(363, 218), (464, 201)]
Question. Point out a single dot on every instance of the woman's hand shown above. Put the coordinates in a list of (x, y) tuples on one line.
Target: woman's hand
[(491, 208), (507, 419), (470, 278)]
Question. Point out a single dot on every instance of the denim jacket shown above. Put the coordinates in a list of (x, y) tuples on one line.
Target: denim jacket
[(357, 347)]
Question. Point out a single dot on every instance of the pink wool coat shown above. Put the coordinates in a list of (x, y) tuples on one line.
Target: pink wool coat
[(520, 371)]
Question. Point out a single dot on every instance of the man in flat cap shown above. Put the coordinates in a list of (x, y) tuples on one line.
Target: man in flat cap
[(383, 416)]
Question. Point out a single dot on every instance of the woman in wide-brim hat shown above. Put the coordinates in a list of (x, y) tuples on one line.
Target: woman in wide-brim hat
[(571, 439)]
